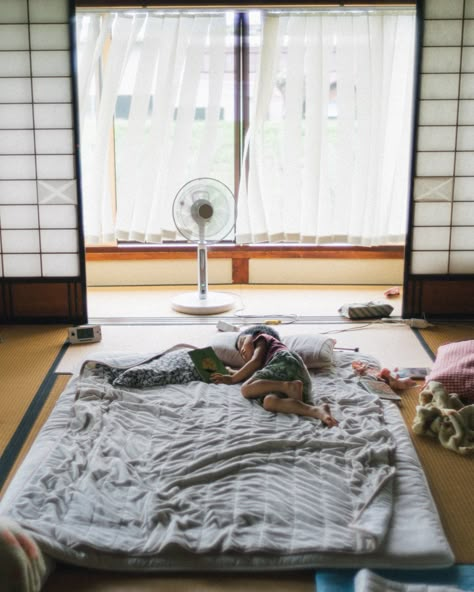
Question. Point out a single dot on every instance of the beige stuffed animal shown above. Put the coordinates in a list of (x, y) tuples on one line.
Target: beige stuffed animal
[(443, 416)]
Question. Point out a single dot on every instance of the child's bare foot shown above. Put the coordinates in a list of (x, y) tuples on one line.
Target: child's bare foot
[(294, 390), (323, 412)]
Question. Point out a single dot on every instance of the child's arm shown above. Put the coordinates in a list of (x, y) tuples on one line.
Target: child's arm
[(254, 364)]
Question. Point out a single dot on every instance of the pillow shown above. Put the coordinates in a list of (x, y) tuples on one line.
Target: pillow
[(224, 346), (454, 369), (316, 350), (175, 367)]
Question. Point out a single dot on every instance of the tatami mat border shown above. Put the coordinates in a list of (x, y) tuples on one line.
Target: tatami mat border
[(15, 444), (423, 343), (442, 334), (235, 320)]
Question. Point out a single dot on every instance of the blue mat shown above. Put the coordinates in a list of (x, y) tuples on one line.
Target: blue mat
[(342, 580)]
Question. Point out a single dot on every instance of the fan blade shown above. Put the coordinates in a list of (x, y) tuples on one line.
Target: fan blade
[(204, 210)]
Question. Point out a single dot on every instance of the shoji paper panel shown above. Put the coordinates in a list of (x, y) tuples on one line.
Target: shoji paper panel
[(443, 220), (38, 192)]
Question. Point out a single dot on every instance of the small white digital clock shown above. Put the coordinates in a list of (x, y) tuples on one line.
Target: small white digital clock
[(85, 334)]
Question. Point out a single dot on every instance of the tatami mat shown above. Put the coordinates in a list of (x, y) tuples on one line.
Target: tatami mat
[(26, 355), (442, 333), (450, 476), (393, 345), (451, 480), (58, 387)]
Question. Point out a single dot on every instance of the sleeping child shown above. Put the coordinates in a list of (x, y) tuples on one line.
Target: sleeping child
[(274, 375)]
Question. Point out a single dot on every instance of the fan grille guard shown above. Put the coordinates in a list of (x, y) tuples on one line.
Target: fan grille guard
[(204, 210)]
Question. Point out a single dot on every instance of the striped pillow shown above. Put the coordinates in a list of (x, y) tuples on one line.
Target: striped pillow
[(454, 369), (366, 310)]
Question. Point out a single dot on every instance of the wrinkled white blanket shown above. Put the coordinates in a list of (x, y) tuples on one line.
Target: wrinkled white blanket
[(199, 468)]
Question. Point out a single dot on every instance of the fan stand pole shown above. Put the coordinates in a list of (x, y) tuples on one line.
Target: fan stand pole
[(203, 302), (202, 270)]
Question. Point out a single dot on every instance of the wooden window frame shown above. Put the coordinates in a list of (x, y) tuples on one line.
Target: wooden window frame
[(240, 254)]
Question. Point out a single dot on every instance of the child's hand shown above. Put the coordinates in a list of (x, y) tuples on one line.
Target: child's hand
[(230, 370), (221, 378)]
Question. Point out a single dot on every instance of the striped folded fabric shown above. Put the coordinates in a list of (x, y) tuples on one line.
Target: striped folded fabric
[(366, 310)]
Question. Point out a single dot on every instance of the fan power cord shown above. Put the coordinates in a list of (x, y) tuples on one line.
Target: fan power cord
[(414, 323), (417, 323), (227, 327), (224, 326), (284, 319)]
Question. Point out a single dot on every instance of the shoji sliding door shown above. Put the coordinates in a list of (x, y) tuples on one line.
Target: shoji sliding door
[(42, 263), (440, 266), (41, 252)]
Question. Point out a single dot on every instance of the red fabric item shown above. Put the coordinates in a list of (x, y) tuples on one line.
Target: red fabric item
[(454, 369)]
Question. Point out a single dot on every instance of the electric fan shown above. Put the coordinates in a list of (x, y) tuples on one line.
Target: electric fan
[(203, 212)]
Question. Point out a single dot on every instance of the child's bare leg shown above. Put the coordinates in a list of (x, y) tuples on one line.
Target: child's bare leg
[(277, 405), (253, 389)]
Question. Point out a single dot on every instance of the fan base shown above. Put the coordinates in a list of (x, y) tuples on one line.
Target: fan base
[(214, 303)]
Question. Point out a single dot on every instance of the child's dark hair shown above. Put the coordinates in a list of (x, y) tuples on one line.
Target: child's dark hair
[(255, 330)]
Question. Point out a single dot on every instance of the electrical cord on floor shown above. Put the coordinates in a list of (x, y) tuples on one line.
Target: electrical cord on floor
[(414, 323), (276, 319), (357, 328), (286, 319)]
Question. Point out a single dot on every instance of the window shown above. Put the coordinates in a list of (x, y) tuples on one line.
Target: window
[(305, 115)]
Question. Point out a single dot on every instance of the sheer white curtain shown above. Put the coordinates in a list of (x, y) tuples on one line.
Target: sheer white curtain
[(329, 141), (160, 60), (99, 81)]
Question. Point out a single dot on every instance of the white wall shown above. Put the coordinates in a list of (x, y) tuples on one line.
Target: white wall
[(326, 271), (261, 271)]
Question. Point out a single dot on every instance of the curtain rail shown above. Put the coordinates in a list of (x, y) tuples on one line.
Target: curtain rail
[(283, 10), (117, 4)]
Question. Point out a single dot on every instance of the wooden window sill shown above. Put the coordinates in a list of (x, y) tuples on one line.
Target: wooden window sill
[(184, 251)]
